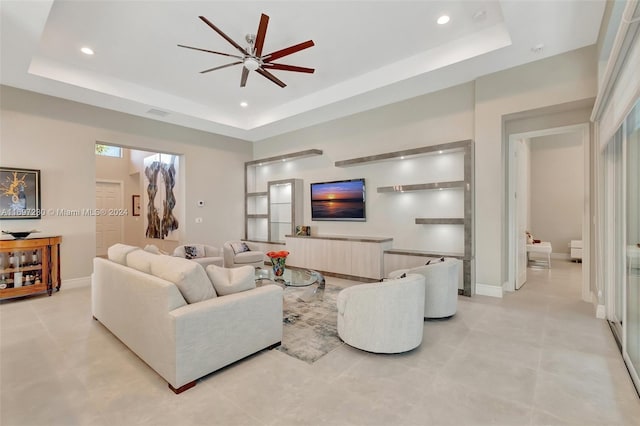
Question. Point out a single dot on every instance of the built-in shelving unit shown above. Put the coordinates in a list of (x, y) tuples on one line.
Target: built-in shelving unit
[(285, 207), (466, 146), (272, 208)]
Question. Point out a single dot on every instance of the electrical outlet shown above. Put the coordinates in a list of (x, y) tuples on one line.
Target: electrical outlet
[(198, 220)]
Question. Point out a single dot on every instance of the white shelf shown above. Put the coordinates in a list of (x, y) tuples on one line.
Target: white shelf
[(422, 186), (426, 150), (440, 221)]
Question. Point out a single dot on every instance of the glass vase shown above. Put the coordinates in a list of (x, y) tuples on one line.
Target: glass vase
[(278, 265)]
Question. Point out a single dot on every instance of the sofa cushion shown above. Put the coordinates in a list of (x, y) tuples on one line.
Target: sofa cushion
[(190, 277), (141, 260), (118, 253), (152, 248), (249, 257), (231, 280)]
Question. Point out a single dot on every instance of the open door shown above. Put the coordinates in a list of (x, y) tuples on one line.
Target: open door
[(521, 148)]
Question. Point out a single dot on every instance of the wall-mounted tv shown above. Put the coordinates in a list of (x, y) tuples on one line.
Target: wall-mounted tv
[(339, 200)]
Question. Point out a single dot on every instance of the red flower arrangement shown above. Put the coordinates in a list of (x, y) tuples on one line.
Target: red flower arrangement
[(276, 254)]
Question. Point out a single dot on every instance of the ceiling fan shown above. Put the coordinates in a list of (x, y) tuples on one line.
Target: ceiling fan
[(252, 58)]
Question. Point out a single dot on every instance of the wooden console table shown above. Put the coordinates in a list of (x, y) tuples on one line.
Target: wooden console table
[(29, 266), (349, 256)]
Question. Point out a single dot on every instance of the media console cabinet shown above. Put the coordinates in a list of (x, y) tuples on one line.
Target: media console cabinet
[(356, 257)]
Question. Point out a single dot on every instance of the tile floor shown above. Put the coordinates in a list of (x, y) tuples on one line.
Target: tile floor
[(535, 357)]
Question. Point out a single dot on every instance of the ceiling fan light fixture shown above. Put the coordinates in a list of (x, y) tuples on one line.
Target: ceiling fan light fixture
[(251, 64)]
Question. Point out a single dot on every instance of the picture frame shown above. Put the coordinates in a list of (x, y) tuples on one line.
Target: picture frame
[(135, 205), (303, 231), (19, 193)]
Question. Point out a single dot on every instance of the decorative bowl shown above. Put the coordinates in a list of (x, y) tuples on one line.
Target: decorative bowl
[(20, 235)]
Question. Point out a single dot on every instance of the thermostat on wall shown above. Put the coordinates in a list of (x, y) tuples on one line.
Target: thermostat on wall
[(200, 203)]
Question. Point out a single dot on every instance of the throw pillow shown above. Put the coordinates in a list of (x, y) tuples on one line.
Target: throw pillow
[(190, 252), (231, 280), (194, 251), (240, 247), (190, 278)]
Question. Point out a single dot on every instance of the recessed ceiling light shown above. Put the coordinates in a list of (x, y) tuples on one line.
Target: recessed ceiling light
[(443, 19), (439, 152), (402, 158), (244, 104), (87, 50)]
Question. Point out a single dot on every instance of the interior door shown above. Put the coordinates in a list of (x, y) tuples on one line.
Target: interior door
[(108, 226)]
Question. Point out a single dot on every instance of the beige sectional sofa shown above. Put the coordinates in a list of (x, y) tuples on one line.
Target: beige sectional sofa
[(166, 310)]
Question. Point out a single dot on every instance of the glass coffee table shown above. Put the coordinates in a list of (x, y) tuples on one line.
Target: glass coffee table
[(295, 278)]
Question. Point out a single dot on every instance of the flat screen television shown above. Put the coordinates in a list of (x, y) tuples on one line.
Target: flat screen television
[(338, 200)]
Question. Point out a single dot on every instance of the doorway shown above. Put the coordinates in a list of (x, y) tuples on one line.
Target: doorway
[(519, 208), (109, 227)]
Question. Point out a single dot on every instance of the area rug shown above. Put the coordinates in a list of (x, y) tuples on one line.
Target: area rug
[(310, 329)]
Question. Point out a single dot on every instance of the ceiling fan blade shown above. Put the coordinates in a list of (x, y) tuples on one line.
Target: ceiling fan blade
[(284, 67), (209, 51), (270, 76), (287, 51), (220, 67), (245, 75), (262, 32), (226, 37)]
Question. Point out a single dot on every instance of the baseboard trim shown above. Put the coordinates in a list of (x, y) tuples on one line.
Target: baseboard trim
[(488, 290), (76, 283)]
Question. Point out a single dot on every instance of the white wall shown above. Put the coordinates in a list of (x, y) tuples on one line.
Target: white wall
[(557, 189), (556, 80), (473, 110), (58, 137)]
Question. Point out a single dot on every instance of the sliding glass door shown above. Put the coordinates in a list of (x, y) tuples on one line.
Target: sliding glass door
[(632, 246), (612, 216)]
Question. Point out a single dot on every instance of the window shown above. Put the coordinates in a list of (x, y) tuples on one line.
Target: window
[(108, 150)]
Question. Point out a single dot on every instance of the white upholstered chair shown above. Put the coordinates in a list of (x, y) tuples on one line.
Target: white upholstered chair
[(211, 255), (234, 257), (384, 317), (441, 286)]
